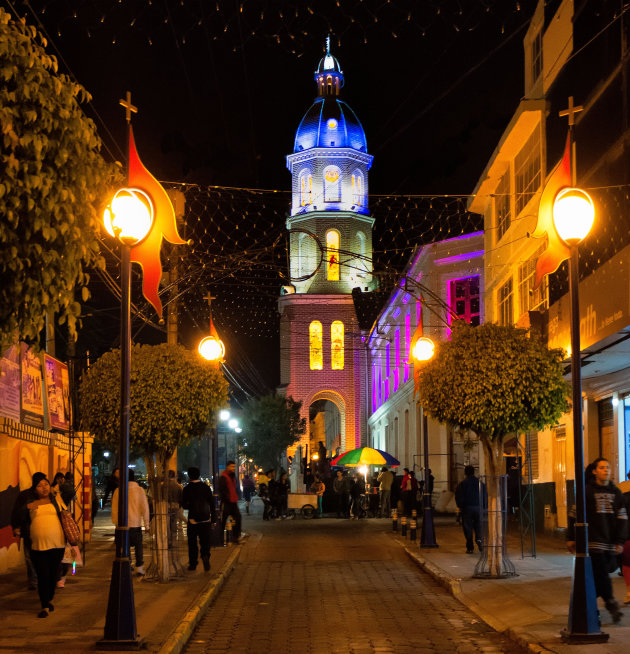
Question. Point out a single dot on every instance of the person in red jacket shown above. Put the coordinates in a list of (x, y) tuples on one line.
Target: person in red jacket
[(229, 499)]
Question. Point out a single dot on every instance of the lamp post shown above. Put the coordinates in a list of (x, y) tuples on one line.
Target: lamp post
[(573, 216), (128, 218), (423, 351)]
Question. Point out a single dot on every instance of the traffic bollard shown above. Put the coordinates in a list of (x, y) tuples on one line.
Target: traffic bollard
[(413, 525), (403, 526), (394, 520), (228, 527)]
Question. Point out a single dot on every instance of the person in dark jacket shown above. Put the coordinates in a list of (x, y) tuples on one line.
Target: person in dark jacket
[(607, 520), (249, 489), (21, 524), (467, 496), (229, 499), (197, 498)]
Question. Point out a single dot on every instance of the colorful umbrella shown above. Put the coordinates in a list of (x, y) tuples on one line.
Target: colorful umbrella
[(365, 456)]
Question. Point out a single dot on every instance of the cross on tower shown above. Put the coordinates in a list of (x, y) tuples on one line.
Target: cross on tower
[(571, 111), (129, 108), (209, 297)]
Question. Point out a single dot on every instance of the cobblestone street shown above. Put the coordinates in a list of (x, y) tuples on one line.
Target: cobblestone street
[(323, 586)]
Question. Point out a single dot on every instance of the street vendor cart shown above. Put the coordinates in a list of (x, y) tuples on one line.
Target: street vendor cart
[(303, 504)]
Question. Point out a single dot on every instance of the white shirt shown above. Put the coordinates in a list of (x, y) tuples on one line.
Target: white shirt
[(138, 507)]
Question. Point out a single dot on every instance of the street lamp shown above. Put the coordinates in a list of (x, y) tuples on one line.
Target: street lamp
[(128, 218), (573, 216), (211, 348), (423, 351)]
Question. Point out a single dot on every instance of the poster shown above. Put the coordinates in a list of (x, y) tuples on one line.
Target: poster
[(32, 387), (57, 393), (10, 384)]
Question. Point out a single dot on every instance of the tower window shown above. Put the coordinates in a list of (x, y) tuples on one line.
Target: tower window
[(306, 188), (336, 345), (357, 189), (332, 255), (332, 186), (316, 351)]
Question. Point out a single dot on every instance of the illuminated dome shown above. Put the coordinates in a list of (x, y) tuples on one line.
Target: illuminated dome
[(329, 123)]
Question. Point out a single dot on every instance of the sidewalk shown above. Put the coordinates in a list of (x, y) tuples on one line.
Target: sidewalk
[(531, 608), (165, 613)]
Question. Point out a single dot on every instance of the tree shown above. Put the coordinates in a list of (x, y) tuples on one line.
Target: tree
[(174, 396), (270, 425), (54, 182), (495, 381)]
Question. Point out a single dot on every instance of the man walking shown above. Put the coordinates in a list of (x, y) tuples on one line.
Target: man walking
[(467, 499), (385, 480), (229, 499), (197, 498), (174, 499), (137, 513)]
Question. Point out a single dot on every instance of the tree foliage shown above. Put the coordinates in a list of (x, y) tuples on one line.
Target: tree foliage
[(270, 425), (53, 183), (174, 394), (495, 381)]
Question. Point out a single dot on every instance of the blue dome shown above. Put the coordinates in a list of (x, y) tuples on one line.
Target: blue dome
[(330, 123)]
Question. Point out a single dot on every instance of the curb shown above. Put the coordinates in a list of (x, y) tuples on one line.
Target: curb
[(180, 636), (525, 641)]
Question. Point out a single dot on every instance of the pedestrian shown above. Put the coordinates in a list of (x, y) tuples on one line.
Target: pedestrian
[(283, 490), (48, 542), (624, 487), (68, 494), (348, 488), (406, 490), (111, 484), (249, 488), (229, 499), (21, 525), (137, 514), (197, 498), (467, 498), (339, 489), (385, 481), (174, 492), (607, 521), (318, 488), (356, 493), (59, 491)]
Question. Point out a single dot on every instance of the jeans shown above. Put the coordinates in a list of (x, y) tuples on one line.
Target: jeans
[(471, 521), (135, 541), (201, 531), (385, 503), (320, 504), (602, 563), (46, 563)]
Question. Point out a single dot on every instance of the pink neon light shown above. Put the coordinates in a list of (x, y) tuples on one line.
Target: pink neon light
[(459, 257)]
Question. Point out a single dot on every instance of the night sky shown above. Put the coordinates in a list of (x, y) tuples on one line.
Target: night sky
[(221, 88)]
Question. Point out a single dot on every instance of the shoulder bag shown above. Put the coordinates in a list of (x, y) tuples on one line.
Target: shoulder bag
[(68, 524)]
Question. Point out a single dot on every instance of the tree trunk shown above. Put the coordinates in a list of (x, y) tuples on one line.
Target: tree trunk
[(160, 568), (493, 562)]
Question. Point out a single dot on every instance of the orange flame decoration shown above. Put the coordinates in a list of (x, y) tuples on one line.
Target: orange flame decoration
[(147, 253), (556, 251)]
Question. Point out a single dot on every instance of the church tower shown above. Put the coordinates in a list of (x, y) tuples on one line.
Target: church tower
[(322, 359)]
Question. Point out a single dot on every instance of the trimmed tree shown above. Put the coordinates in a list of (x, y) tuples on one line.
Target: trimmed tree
[(174, 396), (270, 425), (53, 184), (496, 381)]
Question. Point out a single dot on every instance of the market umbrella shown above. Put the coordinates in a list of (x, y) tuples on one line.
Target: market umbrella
[(365, 456)]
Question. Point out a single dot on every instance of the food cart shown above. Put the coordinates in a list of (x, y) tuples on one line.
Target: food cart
[(304, 504)]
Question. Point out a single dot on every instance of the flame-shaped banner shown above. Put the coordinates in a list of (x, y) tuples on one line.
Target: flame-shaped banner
[(147, 253), (556, 251)]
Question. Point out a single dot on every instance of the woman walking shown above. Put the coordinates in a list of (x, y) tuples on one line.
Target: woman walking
[(49, 542)]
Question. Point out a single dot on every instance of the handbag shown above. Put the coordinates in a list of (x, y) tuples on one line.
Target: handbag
[(72, 555), (68, 524)]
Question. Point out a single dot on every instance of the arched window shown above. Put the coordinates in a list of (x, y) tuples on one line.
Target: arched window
[(332, 184), (306, 188), (332, 255), (316, 351), (336, 345), (357, 188)]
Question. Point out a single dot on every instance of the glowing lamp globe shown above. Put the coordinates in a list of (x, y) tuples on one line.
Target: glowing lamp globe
[(233, 424), (211, 349), (224, 415), (573, 215), (129, 216), (424, 349)]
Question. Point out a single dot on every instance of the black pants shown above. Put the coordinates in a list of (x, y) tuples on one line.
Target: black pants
[(231, 508), (471, 522), (135, 540), (203, 532), (46, 564), (602, 563)]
